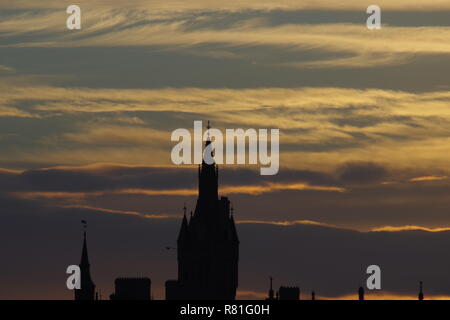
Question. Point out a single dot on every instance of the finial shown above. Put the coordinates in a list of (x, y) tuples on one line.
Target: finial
[(208, 127), (184, 208), (84, 223)]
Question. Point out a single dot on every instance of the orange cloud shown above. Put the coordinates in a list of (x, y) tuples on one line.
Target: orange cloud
[(126, 212), (409, 228), (250, 189), (288, 223), (250, 295), (428, 178), (273, 187)]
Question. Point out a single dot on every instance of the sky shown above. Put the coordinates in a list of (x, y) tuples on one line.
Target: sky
[(86, 118)]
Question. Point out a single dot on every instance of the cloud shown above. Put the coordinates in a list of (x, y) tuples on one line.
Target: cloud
[(235, 5), (359, 201), (77, 183), (288, 223), (111, 135), (6, 69), (409, 228), (351, 45), (320, 127), (362, 173), (428, 178)]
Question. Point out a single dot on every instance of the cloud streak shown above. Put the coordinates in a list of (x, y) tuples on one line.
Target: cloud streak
[(318, 125), (235, 5), (352, 45)]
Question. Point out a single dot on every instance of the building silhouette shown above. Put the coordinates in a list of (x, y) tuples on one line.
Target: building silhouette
[(289, 293), (361, 293), (420, 291), (207, 245), (283, 293), (87, 290), (132, 289), (207, 253)]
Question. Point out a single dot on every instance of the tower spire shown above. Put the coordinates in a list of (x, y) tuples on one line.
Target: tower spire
[(84, 252), (208, 175), (271, 289), (87, 291)]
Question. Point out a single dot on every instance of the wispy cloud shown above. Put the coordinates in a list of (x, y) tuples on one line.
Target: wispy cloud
[(352, 45), (6, 69), (234, 5), (318, 125), (409, 228), (428, 178)]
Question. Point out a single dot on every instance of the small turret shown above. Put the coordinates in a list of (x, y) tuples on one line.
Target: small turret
[(184, 226), (361, 293)]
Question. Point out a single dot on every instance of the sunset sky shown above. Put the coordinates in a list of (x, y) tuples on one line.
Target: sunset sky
[(364, 116)]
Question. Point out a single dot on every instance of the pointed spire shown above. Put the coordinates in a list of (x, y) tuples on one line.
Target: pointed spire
[(420, 291), (87, 291), (84, 252)]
